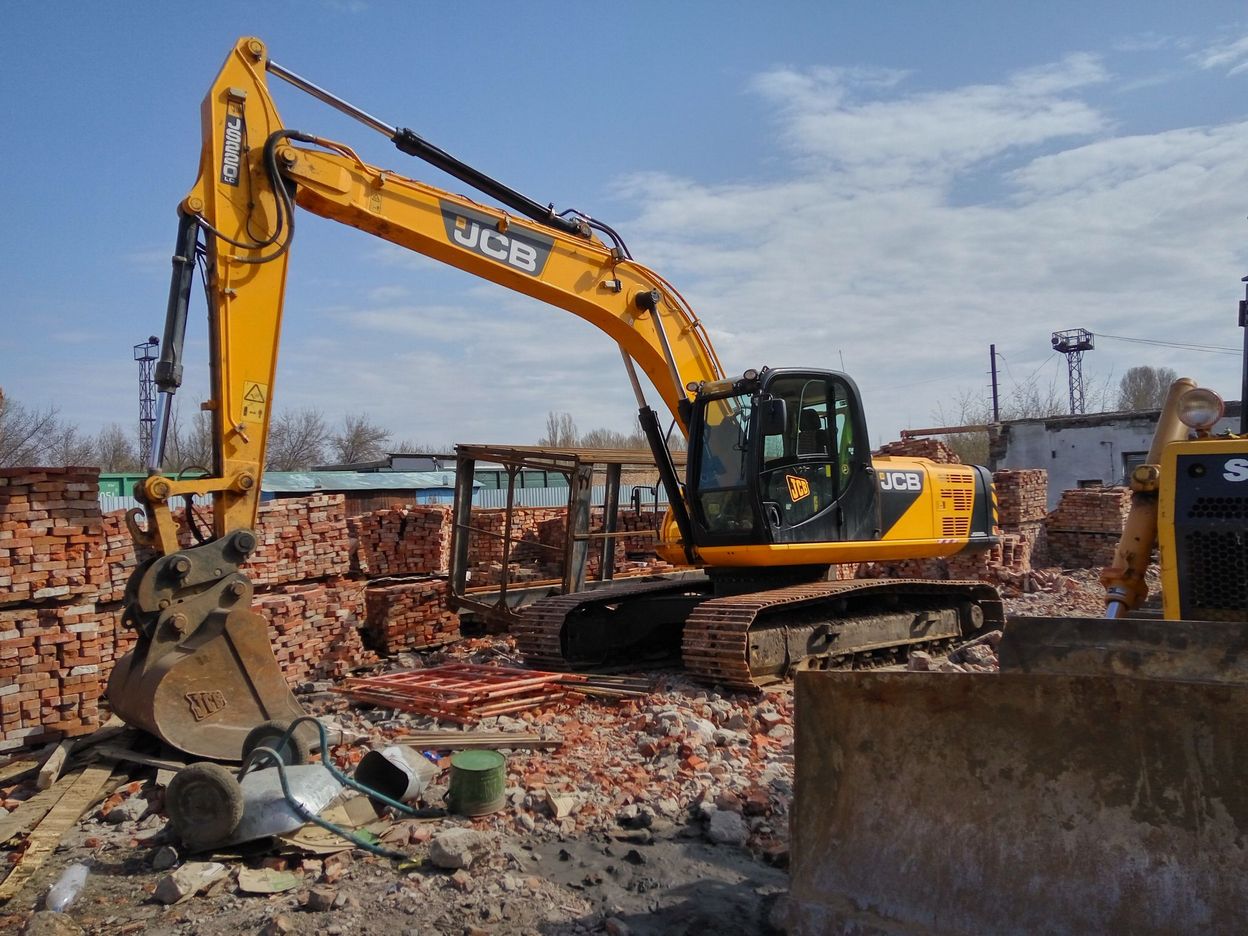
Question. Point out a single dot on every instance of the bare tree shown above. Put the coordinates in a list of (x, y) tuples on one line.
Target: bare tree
[(359, 439), (1024, 401), (67, 446), (188, 444), (560, 431), (296, 440), (24, 433), (115, 450), (1144, 387)]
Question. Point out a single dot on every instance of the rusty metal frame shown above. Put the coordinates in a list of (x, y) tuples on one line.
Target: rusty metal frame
[(497, 605)]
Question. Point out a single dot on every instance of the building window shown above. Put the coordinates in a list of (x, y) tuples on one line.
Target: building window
[(1090, 483), (1131, 461)]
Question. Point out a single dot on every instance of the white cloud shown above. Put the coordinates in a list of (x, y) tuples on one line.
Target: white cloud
[(865, 250), (859, 128), (1231, 55)]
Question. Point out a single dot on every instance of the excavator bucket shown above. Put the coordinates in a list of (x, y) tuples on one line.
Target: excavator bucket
[(1024, 802), (202, 674), (204, 696)]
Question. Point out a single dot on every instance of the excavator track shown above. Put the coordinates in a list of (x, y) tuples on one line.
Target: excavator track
[(722, 635), (540, 635)]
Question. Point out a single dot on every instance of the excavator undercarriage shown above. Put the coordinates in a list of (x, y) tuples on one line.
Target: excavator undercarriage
[(743, 639)]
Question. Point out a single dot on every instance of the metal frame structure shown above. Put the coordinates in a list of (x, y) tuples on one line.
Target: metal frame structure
[(1072, 343), (497, 604), (145, 354)]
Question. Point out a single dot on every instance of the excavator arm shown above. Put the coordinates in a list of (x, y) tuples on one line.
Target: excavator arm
[(203, 673), (240, 215)]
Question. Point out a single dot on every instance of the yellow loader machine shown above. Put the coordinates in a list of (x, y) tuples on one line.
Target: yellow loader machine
[(780, 483), (1097, 784)]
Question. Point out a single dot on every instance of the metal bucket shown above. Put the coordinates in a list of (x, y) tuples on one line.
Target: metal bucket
[(397, 771), (477, 783)]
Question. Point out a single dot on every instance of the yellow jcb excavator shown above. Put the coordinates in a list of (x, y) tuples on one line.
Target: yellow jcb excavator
[(780, 483)]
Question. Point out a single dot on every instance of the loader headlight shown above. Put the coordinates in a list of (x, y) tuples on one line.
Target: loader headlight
[(1199, 409)]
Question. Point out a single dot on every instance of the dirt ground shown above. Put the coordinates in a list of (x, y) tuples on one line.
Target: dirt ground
[(662, 815)]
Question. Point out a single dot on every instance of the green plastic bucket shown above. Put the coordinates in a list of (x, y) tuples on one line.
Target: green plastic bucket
[(477, 783)]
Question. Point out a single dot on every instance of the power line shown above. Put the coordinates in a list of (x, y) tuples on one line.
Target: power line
[(1208, 349)]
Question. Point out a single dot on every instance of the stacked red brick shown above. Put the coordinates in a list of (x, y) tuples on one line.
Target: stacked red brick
[(1084, 529), (51, 564), (528, 560), (413, 539), (314, 628), (409, 614), (1022, 505), (301, 538)]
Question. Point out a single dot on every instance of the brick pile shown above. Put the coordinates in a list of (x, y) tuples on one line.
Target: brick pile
[(116, 640), (51, 564), (1085, 528), (49, 534), (404, 540), (1022, 503), (934, 449), (119, 556), (408, 615), (49, 673), (301, 538), (314, 628), (527, 560)]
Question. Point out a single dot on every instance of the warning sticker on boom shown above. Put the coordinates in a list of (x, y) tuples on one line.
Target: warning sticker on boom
[(255, 400)]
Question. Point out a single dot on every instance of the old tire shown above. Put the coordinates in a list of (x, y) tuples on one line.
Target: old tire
[(267, 734), (205, 804)]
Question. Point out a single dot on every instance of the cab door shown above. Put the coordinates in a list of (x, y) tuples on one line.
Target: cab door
[(815, 482)]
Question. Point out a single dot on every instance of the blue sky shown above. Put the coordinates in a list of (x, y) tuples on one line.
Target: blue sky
[(891, 186)]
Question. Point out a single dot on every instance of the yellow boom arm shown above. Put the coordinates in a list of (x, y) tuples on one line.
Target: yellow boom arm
[(252, 174)]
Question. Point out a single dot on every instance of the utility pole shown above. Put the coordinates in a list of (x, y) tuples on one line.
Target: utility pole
[(996, 401), (1072, 343), (1243, 364), (145, 354)]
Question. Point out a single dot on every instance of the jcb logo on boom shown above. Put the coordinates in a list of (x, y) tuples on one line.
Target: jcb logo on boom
[(901, 481), (232, 149), (522, 250)]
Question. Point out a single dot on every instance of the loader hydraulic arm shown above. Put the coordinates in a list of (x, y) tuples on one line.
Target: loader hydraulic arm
[(240, 218)]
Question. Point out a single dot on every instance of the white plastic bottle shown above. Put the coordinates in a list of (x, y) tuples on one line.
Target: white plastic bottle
[(68, 886)]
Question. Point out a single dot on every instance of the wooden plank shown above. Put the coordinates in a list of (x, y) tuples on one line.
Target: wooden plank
[(60, 819), (52, 767), (18, 769), (115, 752), (28, 814), (468, 740)]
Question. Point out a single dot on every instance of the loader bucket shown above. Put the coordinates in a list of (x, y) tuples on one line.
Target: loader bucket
[(1018, 803), (206, 693)]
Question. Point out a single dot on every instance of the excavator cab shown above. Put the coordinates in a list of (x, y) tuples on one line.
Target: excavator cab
[(780, 456)]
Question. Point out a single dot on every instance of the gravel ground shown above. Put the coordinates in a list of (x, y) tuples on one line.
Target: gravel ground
[(673, 819)]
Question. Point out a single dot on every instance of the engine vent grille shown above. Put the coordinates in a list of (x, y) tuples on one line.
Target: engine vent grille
[(1219, 508), (1217, 573), (960, 499), (955, 526)]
